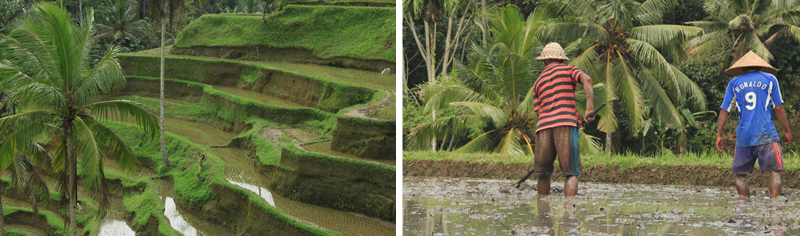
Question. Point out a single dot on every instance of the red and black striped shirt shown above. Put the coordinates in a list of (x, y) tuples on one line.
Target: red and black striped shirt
[(554, 96)]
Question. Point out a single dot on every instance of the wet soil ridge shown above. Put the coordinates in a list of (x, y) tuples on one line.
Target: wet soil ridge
[(678, 175), (299, 55), (371, 139), (363, 39), (335, 182)]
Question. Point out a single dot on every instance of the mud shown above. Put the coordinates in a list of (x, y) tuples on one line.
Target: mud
[(444, 206), (299, 55), (704, 175)]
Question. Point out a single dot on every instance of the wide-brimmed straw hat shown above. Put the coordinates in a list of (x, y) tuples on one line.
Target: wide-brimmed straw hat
[(552, 51), (750, 60)]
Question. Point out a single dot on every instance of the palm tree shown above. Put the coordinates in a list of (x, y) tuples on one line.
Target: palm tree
[(57, 88), (740, 26), (121, 22), (158, 10), (623, 46), (492, 91)]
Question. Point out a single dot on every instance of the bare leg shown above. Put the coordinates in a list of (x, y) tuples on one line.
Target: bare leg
[(571, 186), (543, 185), (741, 186), (775, 183)]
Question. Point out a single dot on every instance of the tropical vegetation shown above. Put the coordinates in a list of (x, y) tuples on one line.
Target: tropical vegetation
[(57, 88), (657, 64)]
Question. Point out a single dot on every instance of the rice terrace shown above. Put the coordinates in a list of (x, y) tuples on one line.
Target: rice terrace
[(276, 124)]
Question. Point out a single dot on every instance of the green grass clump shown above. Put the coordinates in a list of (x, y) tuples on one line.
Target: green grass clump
[(52, 218), (328, 31)]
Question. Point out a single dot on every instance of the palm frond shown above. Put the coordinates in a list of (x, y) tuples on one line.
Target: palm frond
[(123, 109), (661, 104), (482, 143), (89, 150), (630, 94), (509, 144), (663, 35), (650, 11), (495, 114), (105, 75)]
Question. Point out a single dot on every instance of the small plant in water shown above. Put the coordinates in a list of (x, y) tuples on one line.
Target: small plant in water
[(285, 138)]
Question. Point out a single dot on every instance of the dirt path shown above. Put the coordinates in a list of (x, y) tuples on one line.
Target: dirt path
[(365, 110)]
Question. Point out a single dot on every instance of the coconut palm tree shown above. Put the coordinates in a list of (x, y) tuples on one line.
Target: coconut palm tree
[(121, 22), (624, 46), (57, 88), (492, 92), (739, 26)]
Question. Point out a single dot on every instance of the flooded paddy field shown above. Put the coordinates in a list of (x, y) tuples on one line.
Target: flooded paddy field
[(442, 206)]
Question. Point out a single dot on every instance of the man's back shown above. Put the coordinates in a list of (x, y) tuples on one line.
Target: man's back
[(753, 94), (554, 96)]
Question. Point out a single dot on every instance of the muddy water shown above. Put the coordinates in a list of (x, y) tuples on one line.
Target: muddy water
[(325, 148), (490, 207), (115, 227), (184, 221)]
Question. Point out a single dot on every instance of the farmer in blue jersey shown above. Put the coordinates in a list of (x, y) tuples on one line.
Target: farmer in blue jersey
[(755, 94)]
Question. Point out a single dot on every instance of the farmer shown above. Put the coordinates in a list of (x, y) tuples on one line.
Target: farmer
[(557, 128), (755, 94)]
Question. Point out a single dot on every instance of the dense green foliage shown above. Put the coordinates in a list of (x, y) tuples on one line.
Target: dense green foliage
[(362, 32)]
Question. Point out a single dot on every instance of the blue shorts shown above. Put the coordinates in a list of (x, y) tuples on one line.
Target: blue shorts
[(770, 158)]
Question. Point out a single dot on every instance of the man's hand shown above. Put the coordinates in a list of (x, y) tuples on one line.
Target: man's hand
[(788, 138), (719, 144), (589, 110)]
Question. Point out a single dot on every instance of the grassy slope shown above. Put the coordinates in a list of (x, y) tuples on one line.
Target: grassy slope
[(341, 1), (362, 32), (191, 191), (712, 159)]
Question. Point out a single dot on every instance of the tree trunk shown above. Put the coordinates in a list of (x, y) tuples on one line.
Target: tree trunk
[(609, 135), (2, 221), (73, 185), (163, 55), (433, 142)]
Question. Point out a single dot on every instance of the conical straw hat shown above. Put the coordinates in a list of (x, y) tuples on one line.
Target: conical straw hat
[(552, 51), (750, 60)]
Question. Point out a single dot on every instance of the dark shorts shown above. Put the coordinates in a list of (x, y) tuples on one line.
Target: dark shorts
[(769, 156), (562, 140)]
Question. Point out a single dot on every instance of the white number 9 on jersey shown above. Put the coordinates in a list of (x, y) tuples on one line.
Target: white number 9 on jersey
[(750, 97)]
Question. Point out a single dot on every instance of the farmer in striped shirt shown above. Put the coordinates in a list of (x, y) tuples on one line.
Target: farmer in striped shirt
[(557, 128)]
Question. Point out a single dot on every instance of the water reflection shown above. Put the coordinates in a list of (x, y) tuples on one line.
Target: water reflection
[(263, 192), (176, 220), (484, 207), (109, 227)]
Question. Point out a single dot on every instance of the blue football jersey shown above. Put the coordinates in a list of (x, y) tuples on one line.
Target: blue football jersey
[(753, 94)]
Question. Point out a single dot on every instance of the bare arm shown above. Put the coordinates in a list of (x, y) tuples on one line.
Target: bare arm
[(781, 114), (588, 87), (723, 117)]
